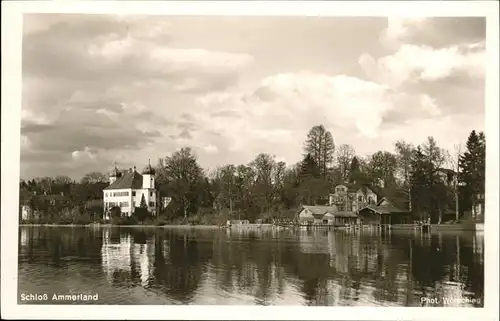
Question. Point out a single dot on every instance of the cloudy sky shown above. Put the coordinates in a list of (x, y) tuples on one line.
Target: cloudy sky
[(102, 88)]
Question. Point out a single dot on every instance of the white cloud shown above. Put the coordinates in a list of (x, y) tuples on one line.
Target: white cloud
[(211, 149), (166, 59), (412, 62), (83, 155), (398, 28), (28, 115), (275, 116)]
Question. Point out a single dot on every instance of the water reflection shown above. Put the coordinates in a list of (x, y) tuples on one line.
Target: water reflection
[(263, 267), (126, 261)]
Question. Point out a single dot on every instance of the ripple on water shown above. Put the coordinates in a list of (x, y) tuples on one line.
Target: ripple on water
[(127, 266)]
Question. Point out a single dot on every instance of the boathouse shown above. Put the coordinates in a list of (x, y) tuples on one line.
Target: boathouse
[(388, 211), (325, 215)]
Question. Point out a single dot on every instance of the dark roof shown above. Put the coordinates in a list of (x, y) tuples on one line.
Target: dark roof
[(321, 210), (128, 180), (396, 196), (345, 214), (385, 209)]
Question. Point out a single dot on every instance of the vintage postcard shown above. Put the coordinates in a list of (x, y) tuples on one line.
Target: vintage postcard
[(235, 160)]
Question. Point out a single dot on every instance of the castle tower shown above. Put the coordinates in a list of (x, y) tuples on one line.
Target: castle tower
[(148, 177), (114, 174)]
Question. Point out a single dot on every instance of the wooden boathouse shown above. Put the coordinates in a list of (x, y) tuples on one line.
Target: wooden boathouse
[(385, 213), (325, 216)]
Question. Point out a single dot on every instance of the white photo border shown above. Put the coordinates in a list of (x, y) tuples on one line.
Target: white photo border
[(12, 12)]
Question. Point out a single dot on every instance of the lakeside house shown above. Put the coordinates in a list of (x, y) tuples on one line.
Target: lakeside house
[(446, 175), (325, 215), (351, 197), (127, 190), (389, 210)]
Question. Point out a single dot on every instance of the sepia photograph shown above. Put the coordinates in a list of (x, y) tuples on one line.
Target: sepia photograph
[(252, 160)]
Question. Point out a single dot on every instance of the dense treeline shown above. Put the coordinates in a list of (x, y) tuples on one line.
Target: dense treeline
[(266, 188)]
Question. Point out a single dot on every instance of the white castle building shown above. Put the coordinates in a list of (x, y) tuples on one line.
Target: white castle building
[(127, 189)]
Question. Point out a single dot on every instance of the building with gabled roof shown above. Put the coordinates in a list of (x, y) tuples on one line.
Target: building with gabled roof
[(352, 197), (128, 189), (325, 215), (393, 209)]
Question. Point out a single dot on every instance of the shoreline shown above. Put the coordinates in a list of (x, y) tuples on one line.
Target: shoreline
[(111, 225), (395, 228)]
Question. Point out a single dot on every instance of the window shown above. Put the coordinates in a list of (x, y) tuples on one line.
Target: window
[(151, 194), (120, 194), (151, 204), (360, 198), (133, 193), (123, 204)]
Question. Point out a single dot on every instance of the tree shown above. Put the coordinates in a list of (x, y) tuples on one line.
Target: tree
[(345, 153), (143, 202), (404, 153), (263, 165), (472, 169), (94, 178), (227, 175), (436, 158), (382, 167), (311, 185), (290, 186), (141, 212), (244, 181), (308, 168), (279, 173), (181, 176), (355, 170), (115, 212), (454, 163), (320, 145), (419, 183)]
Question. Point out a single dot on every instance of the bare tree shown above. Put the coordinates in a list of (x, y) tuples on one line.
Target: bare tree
[(453, 162), (404, 152), (94, 177), (320, 145), (344, 154)]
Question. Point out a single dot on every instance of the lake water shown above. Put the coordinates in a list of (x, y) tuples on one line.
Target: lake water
[(260, 267)]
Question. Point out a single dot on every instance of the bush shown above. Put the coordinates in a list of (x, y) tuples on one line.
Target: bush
[(161, 222), (115, 220), (128, 220), (142, 214), (115, 212)]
